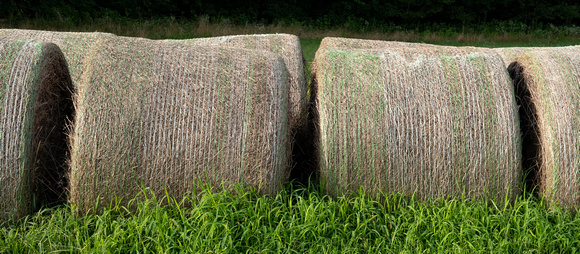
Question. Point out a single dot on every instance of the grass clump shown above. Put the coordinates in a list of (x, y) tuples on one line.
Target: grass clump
[(299, 219)]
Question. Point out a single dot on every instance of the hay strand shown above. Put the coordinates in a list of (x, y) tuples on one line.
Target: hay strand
[(36, 104), (430, 121)]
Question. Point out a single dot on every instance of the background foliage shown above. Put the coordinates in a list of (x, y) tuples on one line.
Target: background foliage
[(353, 14)]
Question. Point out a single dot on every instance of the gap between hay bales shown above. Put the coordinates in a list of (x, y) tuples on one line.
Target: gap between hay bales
[(527, 112)]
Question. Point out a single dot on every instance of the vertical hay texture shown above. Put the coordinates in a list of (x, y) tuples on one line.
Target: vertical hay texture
[(550, 83), (430, 121), (166, 115), (36, 96), (286, 46)]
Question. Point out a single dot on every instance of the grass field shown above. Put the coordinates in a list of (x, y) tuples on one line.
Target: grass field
[(299, 219)]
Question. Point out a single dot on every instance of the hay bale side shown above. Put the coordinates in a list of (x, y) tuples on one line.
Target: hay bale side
[(548, 82), (166, 115), (429, 121), (36, 95), (75, 46), (286, 46)]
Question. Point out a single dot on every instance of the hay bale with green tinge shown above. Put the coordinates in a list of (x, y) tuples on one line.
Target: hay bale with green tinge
[(429, 121), (286, 46), (167, 115), (36, 95), (74, 46), (547, 82)]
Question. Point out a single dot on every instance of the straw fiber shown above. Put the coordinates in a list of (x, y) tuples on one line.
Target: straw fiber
[(36, 95), (167, 115), (430, 121), (547, 82), (286, 46)]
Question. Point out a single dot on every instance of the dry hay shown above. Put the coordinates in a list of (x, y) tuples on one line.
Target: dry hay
[(167, 115), (329, 43), (430, 121), (74, 46), (286, 46), (36, 92), (509, 54), (548, 84)]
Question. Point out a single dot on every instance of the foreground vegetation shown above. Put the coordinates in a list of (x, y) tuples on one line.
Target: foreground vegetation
[(300, 219)]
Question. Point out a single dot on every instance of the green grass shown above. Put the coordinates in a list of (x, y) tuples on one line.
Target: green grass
[(299, 220)]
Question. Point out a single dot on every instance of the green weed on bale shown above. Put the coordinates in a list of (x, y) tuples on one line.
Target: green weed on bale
[(36, 95), (286, 46), (165, 115), (548, 83), (431, 121)]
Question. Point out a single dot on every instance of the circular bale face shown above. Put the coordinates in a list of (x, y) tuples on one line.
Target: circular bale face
[(36, 104), (430, 121), (167, 116), (286, 46), (548, 85)]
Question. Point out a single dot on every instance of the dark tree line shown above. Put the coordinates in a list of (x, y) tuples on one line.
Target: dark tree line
[(320, 13)]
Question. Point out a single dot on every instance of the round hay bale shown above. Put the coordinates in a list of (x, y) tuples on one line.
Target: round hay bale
[(74, 46), (36, 95), (429, 121), (286, 46), (548, 84), (167, 115)]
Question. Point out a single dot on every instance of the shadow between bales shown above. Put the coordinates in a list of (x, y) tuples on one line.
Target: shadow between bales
[(304, 150), (528, 126), (54, 111)]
